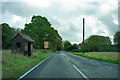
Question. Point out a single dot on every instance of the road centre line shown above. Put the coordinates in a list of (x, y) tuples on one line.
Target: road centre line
[(91, 60), (98, 63), (32, 68), (63, 54), (67, 59), (108, 66), (80, 72)]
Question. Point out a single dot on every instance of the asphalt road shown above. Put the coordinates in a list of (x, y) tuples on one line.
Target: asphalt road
[(66, 65)]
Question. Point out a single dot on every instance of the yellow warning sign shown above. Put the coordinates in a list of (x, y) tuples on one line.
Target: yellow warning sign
[(46, 44)]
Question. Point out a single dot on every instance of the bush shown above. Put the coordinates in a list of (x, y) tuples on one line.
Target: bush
[(76, 50)]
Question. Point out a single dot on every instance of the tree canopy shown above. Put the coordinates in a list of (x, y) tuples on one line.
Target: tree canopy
[(69, 47), (40, 30), (97, 43), (117, 40), (7, 34)]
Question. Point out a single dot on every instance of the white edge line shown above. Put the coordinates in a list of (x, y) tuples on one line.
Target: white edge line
[(80, 72), (32, 68)]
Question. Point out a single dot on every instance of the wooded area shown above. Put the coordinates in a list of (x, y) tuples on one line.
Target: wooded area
[(96, 43), (40, 30)]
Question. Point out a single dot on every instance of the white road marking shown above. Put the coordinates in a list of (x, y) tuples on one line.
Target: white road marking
[(108, 66), (62, 53), (97, 63), (67, 58), (91, 60), (32, 69), (80, 72)]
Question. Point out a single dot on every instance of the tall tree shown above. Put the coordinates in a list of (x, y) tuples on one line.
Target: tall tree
[(97, 43), (7, 34), (117, 40), (67, 44), (59, 41), (40, 30)]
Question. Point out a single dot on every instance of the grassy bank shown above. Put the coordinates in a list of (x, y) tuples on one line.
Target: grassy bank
[(14, 66), (111, 57)]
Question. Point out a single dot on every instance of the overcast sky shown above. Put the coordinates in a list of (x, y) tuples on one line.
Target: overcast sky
[(101, 16)]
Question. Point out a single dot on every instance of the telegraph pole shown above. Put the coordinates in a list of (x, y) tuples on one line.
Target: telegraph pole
[(83, 35)]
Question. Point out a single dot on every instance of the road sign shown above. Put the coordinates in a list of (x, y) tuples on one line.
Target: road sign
[(46, 44)]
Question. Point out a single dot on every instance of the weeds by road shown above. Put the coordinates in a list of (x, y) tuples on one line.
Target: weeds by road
[(16, 65), (111, 57)]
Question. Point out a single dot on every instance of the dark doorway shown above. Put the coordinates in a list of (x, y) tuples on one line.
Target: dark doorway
[(18, 44), (29, 49)]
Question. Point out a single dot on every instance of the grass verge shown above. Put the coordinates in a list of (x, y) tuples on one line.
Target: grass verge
[(16, 65), (111, 57)]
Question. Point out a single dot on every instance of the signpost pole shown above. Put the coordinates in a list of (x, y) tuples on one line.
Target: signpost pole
[(83, 35)]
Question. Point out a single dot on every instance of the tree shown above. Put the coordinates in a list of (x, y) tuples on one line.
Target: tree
[(97, 43), (66, 44), (59, 41), (69, 47), (7, 34), (75, 47), (72, 47), (40, 30), (117, 40), (75, 44)]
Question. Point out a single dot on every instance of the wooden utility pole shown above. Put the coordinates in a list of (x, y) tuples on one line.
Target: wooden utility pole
[(83, 34)]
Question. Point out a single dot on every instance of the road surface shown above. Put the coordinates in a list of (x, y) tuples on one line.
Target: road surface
[(66, 65)]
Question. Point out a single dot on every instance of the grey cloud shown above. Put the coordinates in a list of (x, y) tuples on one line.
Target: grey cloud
[(64, 19), (108, 21), (18, 8)]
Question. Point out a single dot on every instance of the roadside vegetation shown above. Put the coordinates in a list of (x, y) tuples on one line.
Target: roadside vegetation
[(95, 43), (111, 57), (39, 29), (97, 47), (13, 66)]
